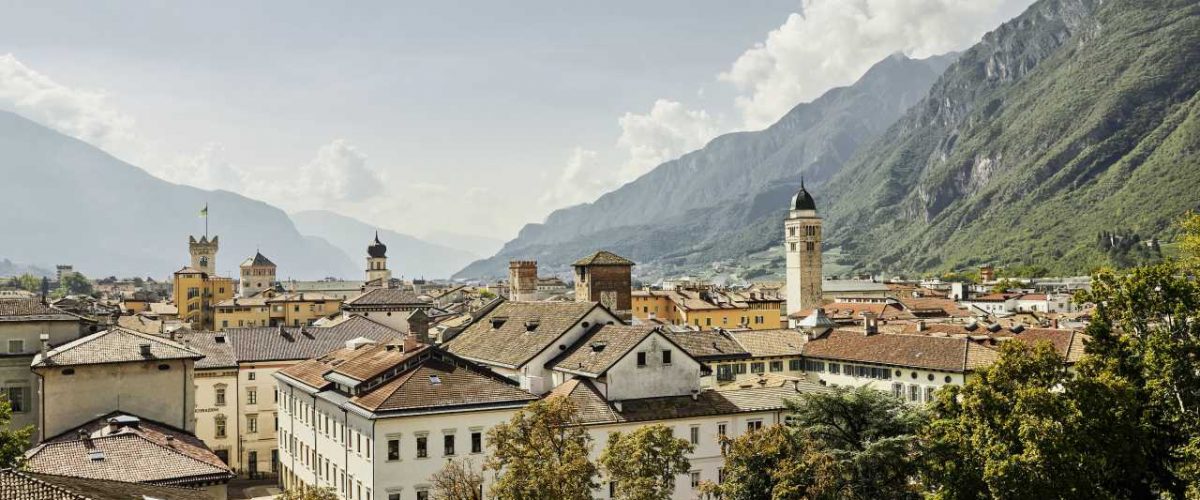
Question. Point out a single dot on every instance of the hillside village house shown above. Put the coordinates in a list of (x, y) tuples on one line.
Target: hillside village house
[(26, 324), (236, 400), (388, 306)]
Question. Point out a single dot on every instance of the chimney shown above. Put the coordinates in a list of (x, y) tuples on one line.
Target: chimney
[(695, 394), (45, 344), (870, 324), (418, 325), (1054, 324), (45, 290), (170, 440), (921, 325)]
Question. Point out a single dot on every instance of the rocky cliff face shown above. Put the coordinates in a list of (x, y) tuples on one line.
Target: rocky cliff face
[(1055, 127), (726, 199)]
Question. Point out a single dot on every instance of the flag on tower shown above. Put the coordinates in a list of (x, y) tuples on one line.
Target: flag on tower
[(204, 211)]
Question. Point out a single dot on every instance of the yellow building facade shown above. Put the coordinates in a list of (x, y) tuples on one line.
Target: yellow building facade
[(275, 309), (708, 309), (197, 289)]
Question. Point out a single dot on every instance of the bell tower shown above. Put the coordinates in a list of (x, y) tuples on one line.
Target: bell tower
[(802, 246), (204, 254), (377, 262)]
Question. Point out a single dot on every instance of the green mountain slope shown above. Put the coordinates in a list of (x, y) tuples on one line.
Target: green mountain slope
[(714, 203), (1075, 119)]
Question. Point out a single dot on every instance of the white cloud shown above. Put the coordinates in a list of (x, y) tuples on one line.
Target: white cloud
[(582, 180), (666, 132), (83, 114), (339, 173), (208, 169), (833, 42)]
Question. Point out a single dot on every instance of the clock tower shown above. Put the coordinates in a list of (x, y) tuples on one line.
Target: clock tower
[(204, 254)]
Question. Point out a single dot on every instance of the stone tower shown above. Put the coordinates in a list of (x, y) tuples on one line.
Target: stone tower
[(204, 254), (377, 262), (606, 278), (258, 274), (522, 280), (802, 245)]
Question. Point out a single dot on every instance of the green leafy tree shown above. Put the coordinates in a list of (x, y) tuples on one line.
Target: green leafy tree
[(29, 283), (75, 284), (772, 462), (1189, 242), (13, 442), (643, 464), (458, 480), (542, 452), (1005, 285), (1146, 336), (870, 436)]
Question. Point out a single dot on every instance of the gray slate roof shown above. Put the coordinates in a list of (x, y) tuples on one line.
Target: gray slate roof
[(115, 345), (215, 346), (595, 409), (292, 343), (386, 297), (600, 348), (603, 258)]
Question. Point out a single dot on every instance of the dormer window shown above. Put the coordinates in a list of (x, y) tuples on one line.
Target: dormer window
[(531, 325), (498, 322), (435, 380)]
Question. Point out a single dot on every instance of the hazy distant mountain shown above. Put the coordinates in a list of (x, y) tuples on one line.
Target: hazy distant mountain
[(725, 200), (408, 256), (481, 246), (63, 201), (10, 268), (1076, 121)]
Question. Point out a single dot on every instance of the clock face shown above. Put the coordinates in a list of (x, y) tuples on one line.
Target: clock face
[(203, 261)]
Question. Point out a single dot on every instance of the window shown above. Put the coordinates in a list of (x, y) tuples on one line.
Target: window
[(666, 357), (695, 475), (641, 359), (251, 396), (898, 390), (720, 475), (422, 494), (756, 367), (476, 442), (250, 376), (739, 369), (16, 397), (721, 429), (16, 346), (393, 449), (929, 394), (776, 366), (252, 423), (835, 368), (795, 365), (725, 372), (220, 395), (220, 423), (695, 434), (422, 447), (753, 425), (448, 445), (914, 393), (393, 496)]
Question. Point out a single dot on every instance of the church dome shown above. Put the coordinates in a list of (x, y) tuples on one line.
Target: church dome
[(377, 249), (802, 200)]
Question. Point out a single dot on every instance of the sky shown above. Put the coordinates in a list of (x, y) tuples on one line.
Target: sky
[(422, 117)]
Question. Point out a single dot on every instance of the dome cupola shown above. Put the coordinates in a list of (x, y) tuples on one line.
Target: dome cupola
[(802, 200), (377, 249)]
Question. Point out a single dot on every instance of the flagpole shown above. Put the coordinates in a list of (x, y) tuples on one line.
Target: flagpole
[(206, 220)]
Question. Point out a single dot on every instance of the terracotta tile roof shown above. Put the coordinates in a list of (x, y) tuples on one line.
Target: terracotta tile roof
[(31, 309), (371, 361), (922, 306), (142, 452), (503, 336), (910, 351), (115, 345), (291, 343), (386, 297), (255, 301), (602, 346), (215, 346), (29, 486), (594, 409), (603, 258), (770, 343), (708, 345), (854, 310)]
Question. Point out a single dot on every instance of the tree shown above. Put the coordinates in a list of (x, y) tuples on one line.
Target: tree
[(1189, 242), (13, 442), (1019, 429), (643, 464), (309, 494), (1146, 336), (1006, 284), (458, 480), (29, 283), (542, 452), (772, 462), (870, 437), (75, 284)]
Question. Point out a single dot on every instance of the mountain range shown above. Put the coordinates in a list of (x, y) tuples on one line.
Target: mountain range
[(64, 201), (1075, 120)]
